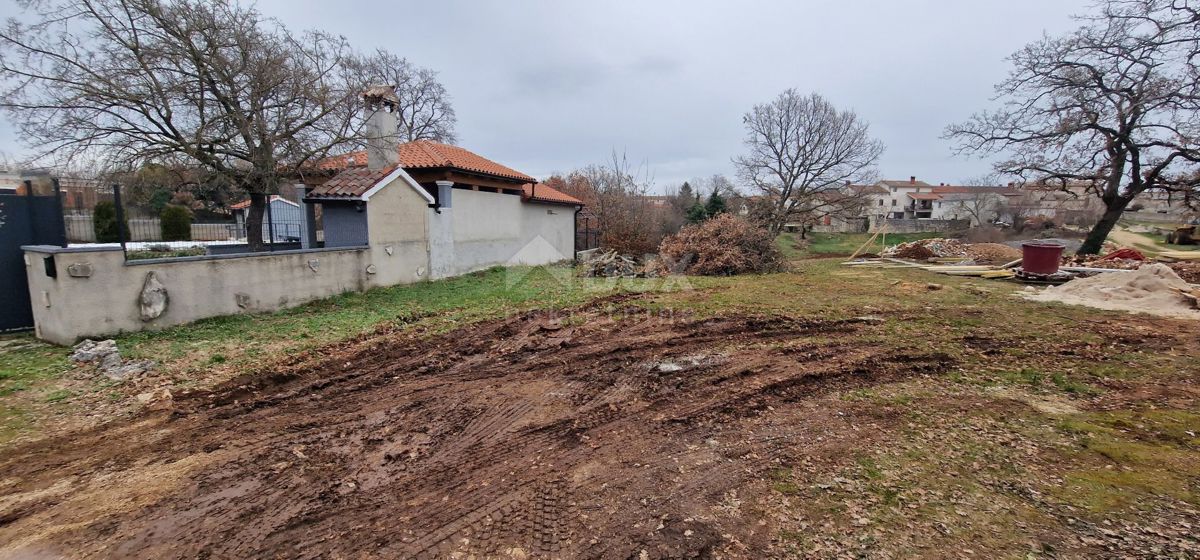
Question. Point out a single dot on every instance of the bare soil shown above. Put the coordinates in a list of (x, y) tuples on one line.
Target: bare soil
[(611, 433), (614, 431)]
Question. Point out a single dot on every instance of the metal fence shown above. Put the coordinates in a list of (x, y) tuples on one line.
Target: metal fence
[(149, 233), (587, 233)]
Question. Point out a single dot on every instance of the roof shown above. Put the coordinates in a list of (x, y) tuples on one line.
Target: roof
[(541, 192), (351, 183), (426, 154), (974, 189), (924, 196), (866, 189), (906, 183), (246, 203)]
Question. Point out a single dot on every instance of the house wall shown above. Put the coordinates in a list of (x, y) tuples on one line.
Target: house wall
[(96, 293), (399, 224)]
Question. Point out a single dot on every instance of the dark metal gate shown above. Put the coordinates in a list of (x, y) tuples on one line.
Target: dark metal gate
[(24, 220)]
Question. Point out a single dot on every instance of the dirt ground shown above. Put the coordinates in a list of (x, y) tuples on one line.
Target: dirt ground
[(607, 432)]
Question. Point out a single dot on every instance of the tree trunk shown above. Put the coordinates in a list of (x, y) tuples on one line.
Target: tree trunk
[(254, 221), (1095, 238)]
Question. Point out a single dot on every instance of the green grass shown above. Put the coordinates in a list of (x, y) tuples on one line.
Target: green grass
[(843, 244)]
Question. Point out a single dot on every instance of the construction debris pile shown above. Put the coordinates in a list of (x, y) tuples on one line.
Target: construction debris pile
[(611, 265), (924, 249), (1154, 289)]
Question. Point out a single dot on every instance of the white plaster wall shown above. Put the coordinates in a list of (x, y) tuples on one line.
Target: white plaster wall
[(499, 229), (68, 308)]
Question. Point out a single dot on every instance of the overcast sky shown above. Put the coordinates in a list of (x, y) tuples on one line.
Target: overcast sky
[(554, 85)]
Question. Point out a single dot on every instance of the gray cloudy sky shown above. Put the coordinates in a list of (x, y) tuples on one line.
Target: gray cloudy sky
[(547, 86)]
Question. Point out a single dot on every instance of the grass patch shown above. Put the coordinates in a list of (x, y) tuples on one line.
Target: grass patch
[(1138, 455), (830, 244)]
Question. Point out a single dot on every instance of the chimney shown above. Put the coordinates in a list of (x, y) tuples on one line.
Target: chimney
[(912, 179), (383, 137)]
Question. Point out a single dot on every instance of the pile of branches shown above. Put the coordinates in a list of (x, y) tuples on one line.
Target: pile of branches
[(721, 246), (611, 264)]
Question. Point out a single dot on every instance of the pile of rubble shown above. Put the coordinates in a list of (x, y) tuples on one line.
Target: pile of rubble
[(923, 249), (107, 359), (992, 253), (611, 265), (1188, 271)]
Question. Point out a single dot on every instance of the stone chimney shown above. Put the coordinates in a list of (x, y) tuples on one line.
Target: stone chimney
[(383, 138), (912, 179)]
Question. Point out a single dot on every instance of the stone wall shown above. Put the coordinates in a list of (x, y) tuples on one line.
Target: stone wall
[(895, 225)]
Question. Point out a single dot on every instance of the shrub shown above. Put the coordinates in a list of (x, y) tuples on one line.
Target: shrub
[(720, 246), (104, 223), (176, 223)]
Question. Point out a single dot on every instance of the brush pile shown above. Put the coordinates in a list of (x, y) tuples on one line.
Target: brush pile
[(720, 246)]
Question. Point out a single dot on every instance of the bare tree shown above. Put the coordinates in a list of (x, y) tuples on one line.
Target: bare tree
[(616, 193), (424, 108), (128, 82), (802, 151), (1114, 105)]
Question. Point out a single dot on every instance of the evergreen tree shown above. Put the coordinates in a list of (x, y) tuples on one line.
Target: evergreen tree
[(104, 223), (715, 204), (697, 213), (176, 223)]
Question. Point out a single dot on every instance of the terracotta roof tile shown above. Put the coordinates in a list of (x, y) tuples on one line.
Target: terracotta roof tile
[(425, 154), (544, 193), (967, 189), (924, 196), (351, 183)]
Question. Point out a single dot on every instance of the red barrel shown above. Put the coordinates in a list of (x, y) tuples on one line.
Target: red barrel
[(1040, 257)]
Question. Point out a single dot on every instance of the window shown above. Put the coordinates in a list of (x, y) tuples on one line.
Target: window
[(893, 202), (939, 204), (893, 189), (881, 202)]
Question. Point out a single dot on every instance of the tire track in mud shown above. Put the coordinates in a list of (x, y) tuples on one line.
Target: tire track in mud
[(522, 437)]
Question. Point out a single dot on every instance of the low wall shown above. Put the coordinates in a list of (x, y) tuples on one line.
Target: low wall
[(895, 225), (94, 292)]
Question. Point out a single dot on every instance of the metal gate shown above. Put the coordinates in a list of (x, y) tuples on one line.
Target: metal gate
[(24, 220)]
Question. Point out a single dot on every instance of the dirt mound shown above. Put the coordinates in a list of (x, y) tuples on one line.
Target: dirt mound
[(610, 433), (914, 252), (992, 253), (1152, 289)]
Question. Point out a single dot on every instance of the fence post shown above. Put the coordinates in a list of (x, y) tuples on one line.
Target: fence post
[(30, 210), (62, 221), (120, 218), (270, 226)]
